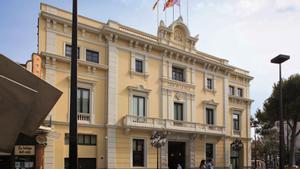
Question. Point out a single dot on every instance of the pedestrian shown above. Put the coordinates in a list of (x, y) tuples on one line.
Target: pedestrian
[(210, 165), (202, 164), (179, 166)]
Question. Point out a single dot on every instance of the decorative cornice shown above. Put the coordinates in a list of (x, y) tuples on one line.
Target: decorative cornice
[(240, 99), (127, 33)]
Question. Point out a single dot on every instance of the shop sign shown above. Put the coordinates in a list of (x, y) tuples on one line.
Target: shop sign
[(24, 150)]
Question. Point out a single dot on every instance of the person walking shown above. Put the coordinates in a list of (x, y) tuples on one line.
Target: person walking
[(202, 164), (210, 165), (179, 166)]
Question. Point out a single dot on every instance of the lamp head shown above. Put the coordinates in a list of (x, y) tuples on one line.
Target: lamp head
[(280, 59)]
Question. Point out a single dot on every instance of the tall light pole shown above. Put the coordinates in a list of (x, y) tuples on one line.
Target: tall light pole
[(254, 125), (278, 60), (73, 162)]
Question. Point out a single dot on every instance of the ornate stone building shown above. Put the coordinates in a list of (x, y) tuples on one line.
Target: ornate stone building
[(131, 84)]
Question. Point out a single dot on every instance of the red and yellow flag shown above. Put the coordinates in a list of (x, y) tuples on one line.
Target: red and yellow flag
[(171, 3)]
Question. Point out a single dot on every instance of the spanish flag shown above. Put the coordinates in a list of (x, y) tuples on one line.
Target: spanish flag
[(171, 3)]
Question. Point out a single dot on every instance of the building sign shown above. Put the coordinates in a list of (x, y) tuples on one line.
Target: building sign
[(36, 65), (24, 150)]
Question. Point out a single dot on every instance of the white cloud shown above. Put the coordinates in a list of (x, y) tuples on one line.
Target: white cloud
[(249, 33)]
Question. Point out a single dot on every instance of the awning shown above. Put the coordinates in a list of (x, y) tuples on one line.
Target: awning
[(25, 101)]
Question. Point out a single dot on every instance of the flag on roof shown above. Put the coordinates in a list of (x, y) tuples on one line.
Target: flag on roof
[(171, 3)]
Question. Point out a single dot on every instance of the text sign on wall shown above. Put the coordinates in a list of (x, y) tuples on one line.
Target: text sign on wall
[(36, 65), (24, 150)]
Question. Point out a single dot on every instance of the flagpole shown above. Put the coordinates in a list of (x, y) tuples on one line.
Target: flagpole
[(157, 14), (179, 8), (173, 13), (165, 15), (187, 13)]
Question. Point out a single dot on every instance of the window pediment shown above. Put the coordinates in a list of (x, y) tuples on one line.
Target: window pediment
[(139, 88), (210, 102)]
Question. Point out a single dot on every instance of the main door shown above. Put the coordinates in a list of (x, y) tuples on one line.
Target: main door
[(176, 154), (83, 163)]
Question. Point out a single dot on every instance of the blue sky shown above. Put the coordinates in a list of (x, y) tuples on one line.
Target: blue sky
[(246, 32)]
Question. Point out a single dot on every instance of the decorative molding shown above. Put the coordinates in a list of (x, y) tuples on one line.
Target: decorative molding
[(210, 102), (139, 88), (240, 100)]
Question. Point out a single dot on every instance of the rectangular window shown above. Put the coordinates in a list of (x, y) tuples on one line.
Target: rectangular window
[(139, 106), (178, 111), (236, 121), (210, 116), (139, 66), (178, 74), (209, 151), (209, 83), (83, 100), (138, 153), (231, 90), (240, 92), (92, 56), (82, 139), (68, 51)]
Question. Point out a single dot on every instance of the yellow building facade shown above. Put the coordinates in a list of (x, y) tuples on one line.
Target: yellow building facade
[(131, 84)]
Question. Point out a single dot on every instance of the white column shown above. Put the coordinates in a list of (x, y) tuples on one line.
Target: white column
[(193, 80), (132, 67), (192, 153), (112, 83), (188, 75), (170, 70), (50, 76), (146, 65), (187, 108), (49, 154), (112, 103), (164, 104), (193, 116), (164, 156), (225, 115), (111, 148), (165, 69), (171, 105), (50, 42)]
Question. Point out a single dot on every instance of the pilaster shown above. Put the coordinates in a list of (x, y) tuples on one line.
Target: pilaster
[(112, 100), (112, 83), (50, 42), (171, 106), (192, 153)]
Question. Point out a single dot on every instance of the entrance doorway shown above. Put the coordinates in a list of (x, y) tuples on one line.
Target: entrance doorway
[(176, 154)]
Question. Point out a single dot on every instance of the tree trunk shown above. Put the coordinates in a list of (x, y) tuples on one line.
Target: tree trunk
[(292, 144)]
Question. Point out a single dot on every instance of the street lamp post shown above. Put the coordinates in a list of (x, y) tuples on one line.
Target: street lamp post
[(158, 140), (73, 162), (237, 145), (254, 125), (278, 60)]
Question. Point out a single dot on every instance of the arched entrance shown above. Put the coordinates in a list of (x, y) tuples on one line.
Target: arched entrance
[(236, 154)]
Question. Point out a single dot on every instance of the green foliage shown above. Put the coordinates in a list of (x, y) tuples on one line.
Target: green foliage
[(269, 114), (291, 101)]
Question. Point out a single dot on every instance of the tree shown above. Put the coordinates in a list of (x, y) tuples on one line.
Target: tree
[(266, 143), (291, 110)]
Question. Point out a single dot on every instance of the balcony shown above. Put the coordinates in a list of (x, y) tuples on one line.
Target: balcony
[(150, 123), (83, 117)]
